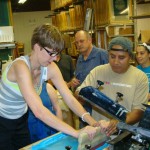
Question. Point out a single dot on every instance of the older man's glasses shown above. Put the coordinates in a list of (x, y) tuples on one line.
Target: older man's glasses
[(52, 54)]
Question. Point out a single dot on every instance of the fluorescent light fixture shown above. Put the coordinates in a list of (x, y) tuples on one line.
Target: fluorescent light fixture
[(22, 1)]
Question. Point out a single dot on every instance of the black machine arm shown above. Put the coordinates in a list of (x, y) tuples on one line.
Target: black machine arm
[(100, 100), (140, 133)]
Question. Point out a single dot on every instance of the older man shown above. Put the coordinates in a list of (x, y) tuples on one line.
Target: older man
[(90, 57)]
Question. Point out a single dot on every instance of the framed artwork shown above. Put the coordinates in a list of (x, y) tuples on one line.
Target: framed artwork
[(120, 7), (120, 11)]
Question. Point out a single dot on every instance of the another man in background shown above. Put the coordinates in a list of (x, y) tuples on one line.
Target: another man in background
[(90, 57)]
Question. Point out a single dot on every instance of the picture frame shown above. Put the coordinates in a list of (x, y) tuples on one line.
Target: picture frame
[(120, 11)]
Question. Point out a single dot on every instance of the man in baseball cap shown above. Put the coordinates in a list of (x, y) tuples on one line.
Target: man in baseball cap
[(120, 76)]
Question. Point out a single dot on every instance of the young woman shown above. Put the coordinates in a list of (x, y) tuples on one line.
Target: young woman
[(21, 84), (143, 59)]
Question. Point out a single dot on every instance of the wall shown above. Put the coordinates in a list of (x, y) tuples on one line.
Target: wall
[(143, 24), (24, 24)]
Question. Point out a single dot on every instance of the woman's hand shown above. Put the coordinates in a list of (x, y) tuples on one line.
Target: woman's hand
[(97, 124), (109, 127), (104, 125), (91, 131)]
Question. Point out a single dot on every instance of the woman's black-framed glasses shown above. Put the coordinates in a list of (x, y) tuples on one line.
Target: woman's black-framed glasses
[(51, 53)]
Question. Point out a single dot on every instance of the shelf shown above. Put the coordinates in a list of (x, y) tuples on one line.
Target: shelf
[(101, 27), (125, 35), (122, 24), (140, 17), (79, 2), (112, 25), (142, 1), (68, 5), (71, 31), (7, 45)]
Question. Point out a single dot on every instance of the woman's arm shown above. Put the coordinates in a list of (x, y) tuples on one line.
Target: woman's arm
[(20, 73), (57, 79)]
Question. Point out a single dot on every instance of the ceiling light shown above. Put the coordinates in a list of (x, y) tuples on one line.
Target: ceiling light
[(22, 1)]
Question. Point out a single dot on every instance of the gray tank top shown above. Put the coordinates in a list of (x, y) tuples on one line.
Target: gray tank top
[(12, 104)]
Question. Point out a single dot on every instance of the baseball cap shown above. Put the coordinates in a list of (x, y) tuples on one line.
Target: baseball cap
[(126, 44)]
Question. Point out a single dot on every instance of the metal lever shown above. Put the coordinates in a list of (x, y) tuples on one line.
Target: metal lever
[(100, 83), (119, 97)]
